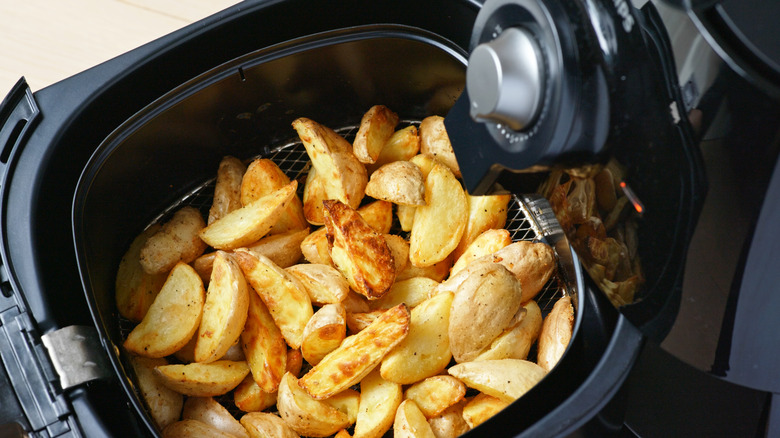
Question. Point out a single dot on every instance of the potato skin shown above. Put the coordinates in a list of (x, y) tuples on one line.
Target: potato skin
[(177, 241), (227, 190)]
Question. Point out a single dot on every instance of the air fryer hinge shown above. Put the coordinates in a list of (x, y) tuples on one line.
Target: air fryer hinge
[(76, 354)]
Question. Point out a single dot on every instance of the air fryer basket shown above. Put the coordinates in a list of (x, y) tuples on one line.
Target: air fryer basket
[(166, 155)]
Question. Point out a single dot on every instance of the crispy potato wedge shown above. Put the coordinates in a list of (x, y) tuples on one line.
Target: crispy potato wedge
[(306, 415), (401, 146), (357, 321), (516, 341), (343, 433), (173, 317), (435, 394), (439, 225), (263, 177), (359, 253), (249, 223), (324, 332), (450, 423), (314, 247), (484, 306), (485, 213), (410, 422), (265, 424), (486, 243), (411, 291), (345, 177), (437, 272), (506, 379), (399, 248), (405, 215), (425, 351), (348, 402), (376, 128), (378, 215), (193, 429), (379, 400), (357, 355), (165, 404), (399, 182), (556, 333), (313, 195), (323, 283), (480, 408), (135, 288), (249, 397), (355, 303), (177, 241), (203, 379), (282, 293), (227, 189), (264, 346), (425, 162), (435, 141), (209, 411), (186, 354), (294, 362), (225, 310), (533, 263)]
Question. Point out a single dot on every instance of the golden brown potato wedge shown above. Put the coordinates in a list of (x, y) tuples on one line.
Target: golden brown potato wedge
[(435, 141), (435, 394), (294, 362), (264, 346), (357, 321), (209, 411), (485, 213), (324, 284), (355, 303), (263, 177), (425, 351), (203, 379), (399, 248), (506, 379), (405, 215), (401, 146), (410, 422), (480, 408), (399, 182), (556, 333), (344, 176), (411, 291), (324, 332), (357, 355), (437, 272), (348, 402), (283, 294), (439, 225), (378, 215), (249, 223), (486, 243), (376, 127), (533, 263), (224, 311), (314, 247), (249, 397), (313, 195), (359, 253), (484, 306), (177, 241), (450, 423), (516, 341), (135, 288), (379, 399), (173, 317), (164, 404), (306, 415), (425, 162), (266, 424), (227, 189), (193, 429)]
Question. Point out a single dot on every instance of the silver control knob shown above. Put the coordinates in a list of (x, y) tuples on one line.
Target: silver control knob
[(505, 79)]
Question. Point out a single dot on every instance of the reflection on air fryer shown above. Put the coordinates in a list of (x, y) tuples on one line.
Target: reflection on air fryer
[(411, 306)]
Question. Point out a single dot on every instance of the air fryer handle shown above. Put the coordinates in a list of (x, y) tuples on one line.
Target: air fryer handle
[(18, 114)]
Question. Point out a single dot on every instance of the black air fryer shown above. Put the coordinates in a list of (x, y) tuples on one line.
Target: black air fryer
[(683, 96)]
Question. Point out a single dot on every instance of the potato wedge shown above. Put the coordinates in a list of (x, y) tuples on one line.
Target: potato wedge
[(283, 294), (225, 310), (165, 404), (358, 321), (556, 333), (345, 177), (249, 397), (379, 400), (314, 247), (294, 362), (411, 291), (251, 222), (173, 317), (357, 355), (264, 346), (376, 128), (177, 241), (486, 243), (485, 213), (193, 429), (435, 141), (405, 215), (263, 177), (306, 415), (450, 423), (135, 288), (203, 379), (439, 225), (425, 162), (227, 189), (186, 354), (313, 195), (435, 394), (484, 306), (437, 272), (410, 422), (506, 379), (378, 215), (401, 146), (355, 303), (323, 283), (324, 332), (265, 424), (399, 248), (425, 351), (399, 182), (359, 253), (533, 263), (480, 408), (209, 411), (348, 402), (516, 341)]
